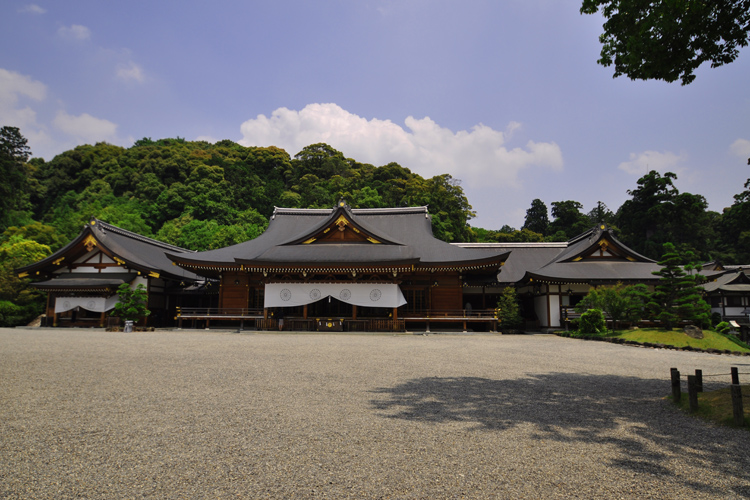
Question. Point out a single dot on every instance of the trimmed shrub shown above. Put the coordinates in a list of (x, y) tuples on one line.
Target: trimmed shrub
[(723, 327), (592, 321)]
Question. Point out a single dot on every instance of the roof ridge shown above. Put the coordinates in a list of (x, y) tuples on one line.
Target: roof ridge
[(135, 236)]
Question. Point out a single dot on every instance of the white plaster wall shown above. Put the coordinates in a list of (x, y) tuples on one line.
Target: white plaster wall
[(554, 311)]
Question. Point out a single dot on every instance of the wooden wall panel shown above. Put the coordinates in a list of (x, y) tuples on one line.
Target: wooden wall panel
[(445, 298), (234, 291)]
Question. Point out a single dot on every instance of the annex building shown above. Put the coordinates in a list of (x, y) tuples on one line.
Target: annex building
[(339, 269)]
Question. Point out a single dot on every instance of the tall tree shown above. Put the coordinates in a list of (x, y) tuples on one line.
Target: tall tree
[(677, 296), (600, 213), (642, 218), (536, 219), (568, 220), (658, 213), (735, 225), (668, 39), (14, 192)]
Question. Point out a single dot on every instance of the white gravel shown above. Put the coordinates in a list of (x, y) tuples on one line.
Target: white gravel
[(196, 414)]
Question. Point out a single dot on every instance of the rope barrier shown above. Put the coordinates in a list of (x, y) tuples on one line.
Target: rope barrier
[(723, 374)]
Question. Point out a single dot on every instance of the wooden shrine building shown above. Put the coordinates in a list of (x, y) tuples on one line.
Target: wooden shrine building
[(81, 279), (551, 278), (350, 269)]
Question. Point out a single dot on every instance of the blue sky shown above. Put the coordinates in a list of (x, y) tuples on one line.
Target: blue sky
[(504, 96)]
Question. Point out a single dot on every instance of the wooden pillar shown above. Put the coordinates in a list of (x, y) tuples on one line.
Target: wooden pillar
[(395, 318), (101, 319), (304, 311), (354, 311), (549, 318)]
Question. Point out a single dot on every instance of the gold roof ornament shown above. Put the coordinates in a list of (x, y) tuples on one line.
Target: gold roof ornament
[(90, 242)]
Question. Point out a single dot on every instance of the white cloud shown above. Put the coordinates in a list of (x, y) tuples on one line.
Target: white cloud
[(741, 148), (32, 9), (13, 87), (74, 32), (130, 71), (642, 163), (85, 127), (476, 157)]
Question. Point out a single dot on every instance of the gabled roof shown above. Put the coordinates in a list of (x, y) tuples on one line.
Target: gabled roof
[(144, 255), (595, 255), (734, 280), (298, 238)]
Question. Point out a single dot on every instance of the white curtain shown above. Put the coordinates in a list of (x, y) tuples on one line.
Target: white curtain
[(359, 294), (93, 304)]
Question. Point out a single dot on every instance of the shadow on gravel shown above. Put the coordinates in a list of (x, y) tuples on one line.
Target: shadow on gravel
[(580, 408)]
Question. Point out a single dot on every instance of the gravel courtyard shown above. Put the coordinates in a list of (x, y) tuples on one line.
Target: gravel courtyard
[(197, 414)]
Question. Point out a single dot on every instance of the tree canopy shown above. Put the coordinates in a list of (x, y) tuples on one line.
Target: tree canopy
[(668, 39)]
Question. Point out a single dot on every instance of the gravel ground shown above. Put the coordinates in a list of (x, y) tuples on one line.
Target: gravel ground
[(196, 414)]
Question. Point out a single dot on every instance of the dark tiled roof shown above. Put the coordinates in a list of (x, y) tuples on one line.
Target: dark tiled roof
[(560, 261), (406, 235), (139, 252), (735, 280)]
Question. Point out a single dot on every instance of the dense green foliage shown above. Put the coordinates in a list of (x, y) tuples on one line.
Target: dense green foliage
[(592, 322), (131, 305), (620, 302), (677, 296), (508, 310), (667, 40), (204, 196)]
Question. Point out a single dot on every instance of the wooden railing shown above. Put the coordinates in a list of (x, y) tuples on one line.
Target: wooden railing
[(256, 318)]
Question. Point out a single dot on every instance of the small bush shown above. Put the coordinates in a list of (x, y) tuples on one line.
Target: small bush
[(592, 321), (10, 314), (723, 327)]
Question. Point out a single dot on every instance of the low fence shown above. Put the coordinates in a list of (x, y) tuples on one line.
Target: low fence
[(255, 318), (695, 385)]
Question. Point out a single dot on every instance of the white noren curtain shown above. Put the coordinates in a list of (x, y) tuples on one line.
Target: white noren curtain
[(359, 294)]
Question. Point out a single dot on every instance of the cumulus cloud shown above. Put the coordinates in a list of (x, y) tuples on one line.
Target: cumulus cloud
[(477, 156), (85, 127), (130, 71), (642, 163), (32, 9), (13, 87), (74, 32), (741, 148)]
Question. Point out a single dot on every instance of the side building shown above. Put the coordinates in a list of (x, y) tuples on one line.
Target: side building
[(81, 279), (728, 294), (551, 278)]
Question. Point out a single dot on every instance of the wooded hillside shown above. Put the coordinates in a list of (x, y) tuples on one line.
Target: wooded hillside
[(203, 196)]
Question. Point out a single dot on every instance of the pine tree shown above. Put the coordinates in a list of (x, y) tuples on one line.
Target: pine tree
[(677, 297)]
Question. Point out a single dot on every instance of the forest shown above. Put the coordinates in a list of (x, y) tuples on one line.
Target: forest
[(202, 196)]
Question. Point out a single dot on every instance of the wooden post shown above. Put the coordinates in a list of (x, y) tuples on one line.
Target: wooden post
[(739, 413), (699, 380), (735, 376), (101, 318), (692, 393), (676, 392)]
